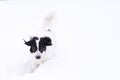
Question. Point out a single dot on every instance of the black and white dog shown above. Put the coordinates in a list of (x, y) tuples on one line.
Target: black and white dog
[(41, 46)]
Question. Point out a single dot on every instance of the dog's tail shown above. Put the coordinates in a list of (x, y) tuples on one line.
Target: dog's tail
[(49, 21)]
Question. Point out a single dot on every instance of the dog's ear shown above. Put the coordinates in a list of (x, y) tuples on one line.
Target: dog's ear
[(31, 41), (46, 41), (32, 44), (28, 43)]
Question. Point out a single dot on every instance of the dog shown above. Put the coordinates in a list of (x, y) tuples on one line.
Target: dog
[(41, 46)]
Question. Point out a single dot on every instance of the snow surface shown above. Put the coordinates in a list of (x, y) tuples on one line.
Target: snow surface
[(87, 34)]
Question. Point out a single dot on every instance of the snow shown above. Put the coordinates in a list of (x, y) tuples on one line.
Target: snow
[(87, 35)]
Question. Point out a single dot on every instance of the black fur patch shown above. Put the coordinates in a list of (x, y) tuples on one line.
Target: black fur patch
[(44, 41), (32, 44)]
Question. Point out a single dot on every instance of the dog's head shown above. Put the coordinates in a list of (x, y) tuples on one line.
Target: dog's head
[(38, 45)]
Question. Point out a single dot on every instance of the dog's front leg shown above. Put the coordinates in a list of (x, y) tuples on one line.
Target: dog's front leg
[(34, 66)]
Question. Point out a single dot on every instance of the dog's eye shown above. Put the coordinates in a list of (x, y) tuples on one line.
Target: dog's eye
[(33, 49)]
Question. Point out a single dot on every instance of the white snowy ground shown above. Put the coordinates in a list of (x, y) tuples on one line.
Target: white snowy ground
[(87, 33)]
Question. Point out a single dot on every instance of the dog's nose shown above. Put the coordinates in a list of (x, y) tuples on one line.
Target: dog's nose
[(38, 57)]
